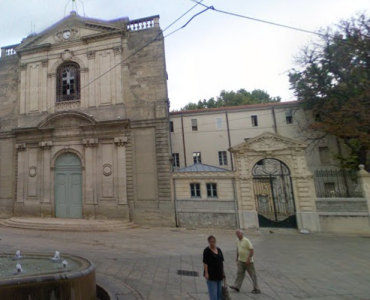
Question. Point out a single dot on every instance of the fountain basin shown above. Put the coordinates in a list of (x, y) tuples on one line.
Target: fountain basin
[(45, 279)]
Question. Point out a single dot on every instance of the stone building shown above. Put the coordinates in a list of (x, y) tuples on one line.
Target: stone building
[(249, 166), (84, 123), (85, 132)]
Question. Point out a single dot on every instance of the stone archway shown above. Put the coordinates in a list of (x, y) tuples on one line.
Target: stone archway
[(68, 186), (292, 154)]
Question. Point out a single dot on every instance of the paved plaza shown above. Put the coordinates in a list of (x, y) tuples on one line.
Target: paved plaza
[(142, 263)]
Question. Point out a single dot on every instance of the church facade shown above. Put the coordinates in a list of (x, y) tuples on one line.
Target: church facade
[(84, 123)]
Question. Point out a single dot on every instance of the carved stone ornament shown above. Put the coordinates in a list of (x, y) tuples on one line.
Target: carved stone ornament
[(90, 54), (45, 62), (268, 143), (73, 33), (90, 142), (66, 55), (46, 145), (107, 169), (120, 141), (20, 147), (32, 171), (23, 66), (117, 50)]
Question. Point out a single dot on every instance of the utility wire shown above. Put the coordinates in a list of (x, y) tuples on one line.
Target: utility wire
[(157, 38), (257, 20)]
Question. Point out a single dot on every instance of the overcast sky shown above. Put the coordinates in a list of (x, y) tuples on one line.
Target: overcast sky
[(215, 51)]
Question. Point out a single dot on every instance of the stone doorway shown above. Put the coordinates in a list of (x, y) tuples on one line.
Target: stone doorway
[(68, 186)]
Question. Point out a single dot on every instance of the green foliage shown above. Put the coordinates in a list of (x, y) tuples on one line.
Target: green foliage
[(333, 82), (231, 98)]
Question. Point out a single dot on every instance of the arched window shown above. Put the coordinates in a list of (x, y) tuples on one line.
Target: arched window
[(68, 82)]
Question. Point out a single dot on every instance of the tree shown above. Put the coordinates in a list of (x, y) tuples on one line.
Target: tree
[(333, 82), (231, 98)]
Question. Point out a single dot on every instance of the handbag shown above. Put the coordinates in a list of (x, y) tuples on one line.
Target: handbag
[(225, 291)]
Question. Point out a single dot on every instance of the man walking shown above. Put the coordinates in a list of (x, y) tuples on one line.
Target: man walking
[(245, 261)]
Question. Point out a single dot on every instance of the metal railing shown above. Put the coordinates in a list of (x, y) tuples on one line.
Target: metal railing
[(337, 184)]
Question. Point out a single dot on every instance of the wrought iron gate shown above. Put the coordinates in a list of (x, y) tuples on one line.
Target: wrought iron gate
[(273, 193)]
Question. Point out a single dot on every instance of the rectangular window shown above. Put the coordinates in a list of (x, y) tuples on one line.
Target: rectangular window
[(254, 120), (211, 190), (175, 160), (219, 123), (289, 116), (222, 158), (197, 157), (194, 124), (195, 190), (324, 154), (171, 126)]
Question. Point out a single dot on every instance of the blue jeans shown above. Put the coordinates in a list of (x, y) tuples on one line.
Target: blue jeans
[(214, 289)]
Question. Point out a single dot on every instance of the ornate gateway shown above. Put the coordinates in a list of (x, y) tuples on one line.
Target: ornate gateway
[(273, 193)]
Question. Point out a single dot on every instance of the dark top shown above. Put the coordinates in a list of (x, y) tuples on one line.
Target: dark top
[(215, 263)]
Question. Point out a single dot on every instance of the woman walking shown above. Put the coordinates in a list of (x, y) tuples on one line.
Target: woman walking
[(213, 261)]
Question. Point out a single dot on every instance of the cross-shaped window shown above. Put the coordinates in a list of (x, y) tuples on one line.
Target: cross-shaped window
[(68, 82)]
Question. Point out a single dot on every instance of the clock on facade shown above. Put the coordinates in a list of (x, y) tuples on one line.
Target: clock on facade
[(66, 34)]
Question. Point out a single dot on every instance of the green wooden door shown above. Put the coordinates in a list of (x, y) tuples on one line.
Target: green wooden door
[(68, 187)]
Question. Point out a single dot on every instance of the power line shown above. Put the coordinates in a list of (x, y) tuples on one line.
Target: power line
[(257, 20), (157, 38)]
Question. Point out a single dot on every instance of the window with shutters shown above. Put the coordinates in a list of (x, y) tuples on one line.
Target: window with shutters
[(289, 116), (219, 123), (194, 124)]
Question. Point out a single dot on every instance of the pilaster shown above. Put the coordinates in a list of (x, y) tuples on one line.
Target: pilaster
[(121, 169), (90, 166), (21, 152), (46, 159)]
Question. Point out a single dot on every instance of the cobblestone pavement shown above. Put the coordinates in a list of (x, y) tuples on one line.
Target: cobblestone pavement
[(143, 263)]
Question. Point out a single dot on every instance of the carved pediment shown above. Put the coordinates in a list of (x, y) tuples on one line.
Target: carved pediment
[(67, 120), (268, 142), (72, 28)]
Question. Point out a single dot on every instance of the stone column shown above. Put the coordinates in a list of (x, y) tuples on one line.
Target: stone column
[(121, 169), (91, 76), (90, 163), (46, 159), (364, 178), (46, 181), (21, 153)]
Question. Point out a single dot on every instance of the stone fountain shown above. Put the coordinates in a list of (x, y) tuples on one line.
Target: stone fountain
[(43, 277)]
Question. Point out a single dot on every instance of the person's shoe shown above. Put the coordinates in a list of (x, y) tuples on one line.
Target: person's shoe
[(256, 291), (234, 288)]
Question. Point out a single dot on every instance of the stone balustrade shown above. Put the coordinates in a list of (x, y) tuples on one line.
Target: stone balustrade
[(8, 51), (144, 23)]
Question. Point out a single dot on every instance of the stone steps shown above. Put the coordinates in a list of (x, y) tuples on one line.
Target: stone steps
[(58, 224)]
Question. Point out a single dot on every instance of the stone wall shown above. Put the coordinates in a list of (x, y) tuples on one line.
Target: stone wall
[(342, 205), (206, 219), (149, 173), (9, 77)]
